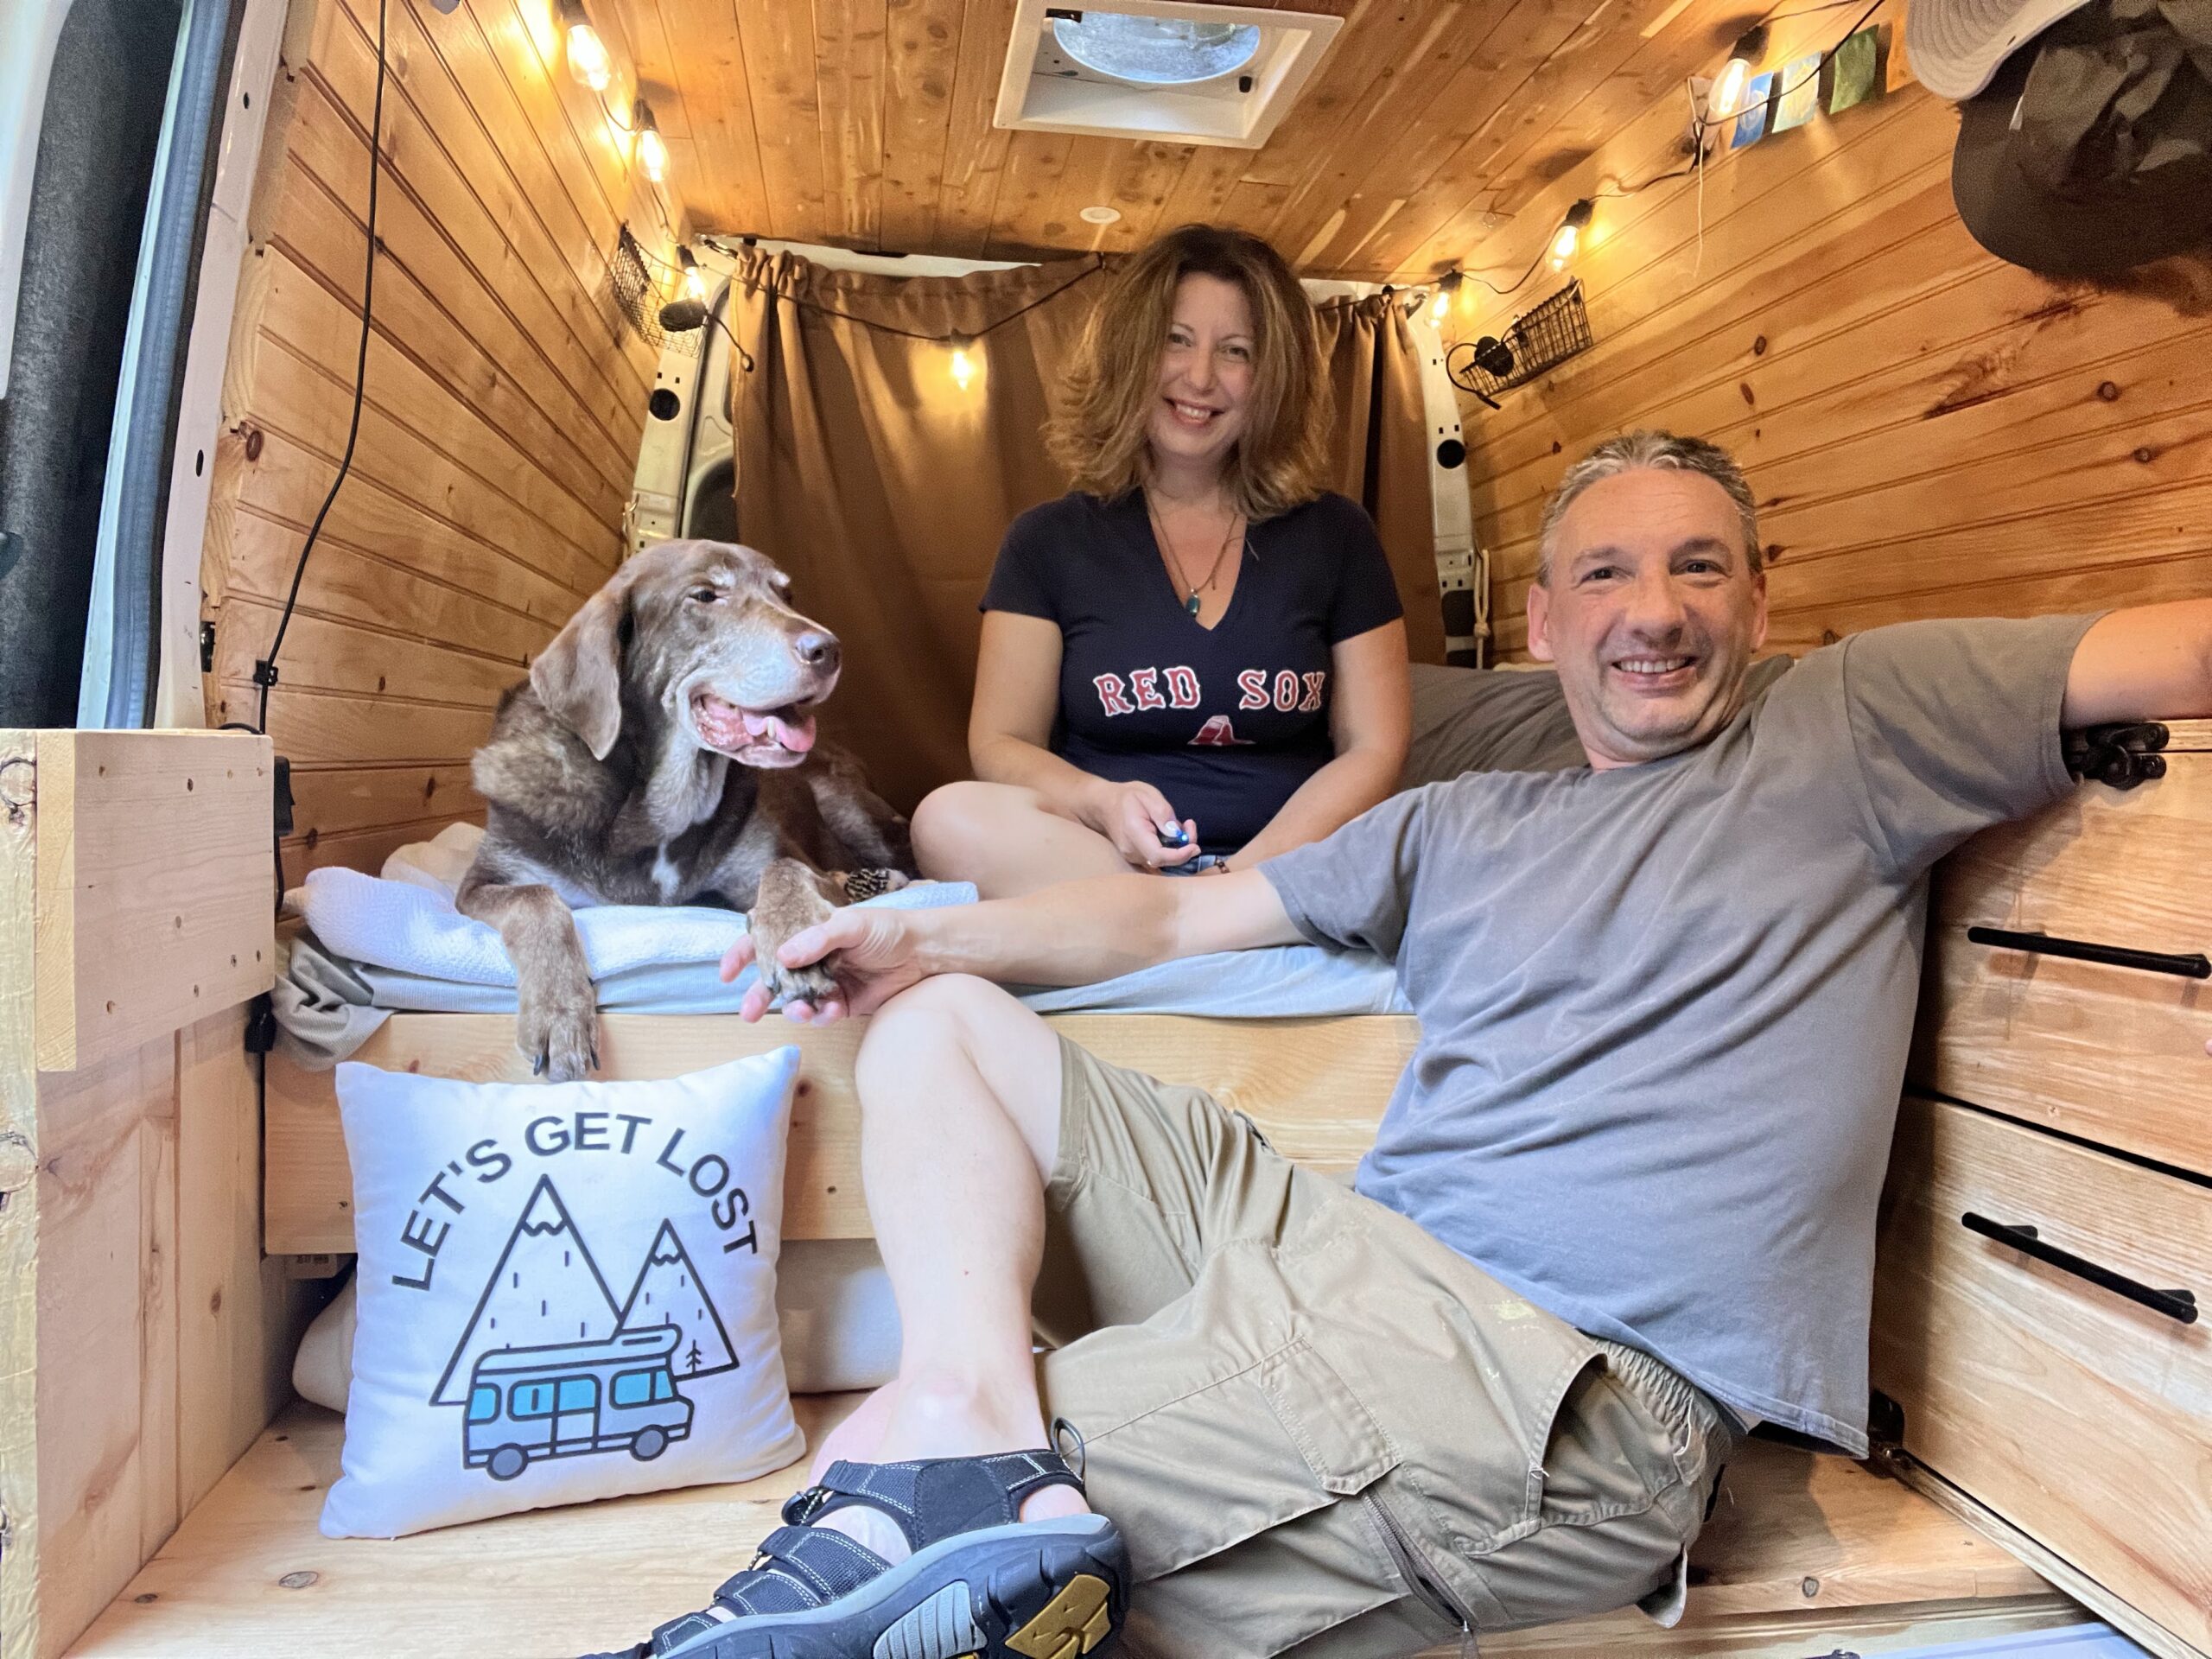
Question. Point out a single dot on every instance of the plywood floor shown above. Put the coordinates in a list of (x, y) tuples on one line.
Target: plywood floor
[(1801, 1553)]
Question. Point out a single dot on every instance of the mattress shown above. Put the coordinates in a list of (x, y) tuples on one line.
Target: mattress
[(374, 945)]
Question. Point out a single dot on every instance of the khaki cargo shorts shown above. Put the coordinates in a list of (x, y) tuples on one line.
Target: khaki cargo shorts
[(1318, 1428)]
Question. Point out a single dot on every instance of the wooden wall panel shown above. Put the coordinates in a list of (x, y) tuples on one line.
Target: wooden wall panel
[(501, 417), (1929, 431)]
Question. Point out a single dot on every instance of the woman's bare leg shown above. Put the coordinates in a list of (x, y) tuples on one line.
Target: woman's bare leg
[(960, 1125), (1006, 840)]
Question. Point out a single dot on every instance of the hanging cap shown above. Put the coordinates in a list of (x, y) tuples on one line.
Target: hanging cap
[(1956, 46), (2089, 152)]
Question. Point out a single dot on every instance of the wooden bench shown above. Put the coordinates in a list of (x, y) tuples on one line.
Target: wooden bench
[(1804, 1555)]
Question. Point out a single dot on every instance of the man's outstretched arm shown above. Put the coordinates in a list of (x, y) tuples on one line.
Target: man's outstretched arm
[(2153, 662), (1072, 934)]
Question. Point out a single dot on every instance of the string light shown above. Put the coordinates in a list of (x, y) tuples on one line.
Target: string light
[(1743, 57), (694, 280), (1570, 232), (1447, 290), (653, 154), (963, 362), (588, 61)]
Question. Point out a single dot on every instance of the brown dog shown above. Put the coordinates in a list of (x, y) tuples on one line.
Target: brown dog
[(662, 752)]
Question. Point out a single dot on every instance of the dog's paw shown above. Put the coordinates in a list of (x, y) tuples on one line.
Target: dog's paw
[(874, 884), (810, 984), (558, 1033)]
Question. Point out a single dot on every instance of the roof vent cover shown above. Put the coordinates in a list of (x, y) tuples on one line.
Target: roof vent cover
[(1158, 69)]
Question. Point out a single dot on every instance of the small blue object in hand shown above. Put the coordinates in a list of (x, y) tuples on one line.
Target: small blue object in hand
[(1175, 834)]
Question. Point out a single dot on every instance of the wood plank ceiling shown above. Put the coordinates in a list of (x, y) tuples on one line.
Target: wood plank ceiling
[(867, 123)]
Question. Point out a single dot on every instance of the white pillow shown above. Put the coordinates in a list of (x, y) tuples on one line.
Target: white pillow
[(567, 1291)]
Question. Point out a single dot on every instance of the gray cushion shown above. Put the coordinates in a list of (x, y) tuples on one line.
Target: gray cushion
[(1487, 720), (1507, 720)]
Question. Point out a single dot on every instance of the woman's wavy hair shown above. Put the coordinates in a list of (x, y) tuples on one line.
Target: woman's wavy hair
[(1281, 461)]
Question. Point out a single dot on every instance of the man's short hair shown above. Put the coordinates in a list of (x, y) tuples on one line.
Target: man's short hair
[(1632, 451)]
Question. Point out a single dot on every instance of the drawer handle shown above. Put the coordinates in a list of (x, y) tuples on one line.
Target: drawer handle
[(2174, 1304), (2194, 965)]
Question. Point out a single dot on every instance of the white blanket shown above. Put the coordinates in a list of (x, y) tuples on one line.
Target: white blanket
[(396, 942), (406, 920)]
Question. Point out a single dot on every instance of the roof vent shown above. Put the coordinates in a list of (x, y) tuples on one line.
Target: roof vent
[(1158, 69)]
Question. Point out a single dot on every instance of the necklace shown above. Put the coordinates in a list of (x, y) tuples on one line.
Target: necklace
[(1191, 599)]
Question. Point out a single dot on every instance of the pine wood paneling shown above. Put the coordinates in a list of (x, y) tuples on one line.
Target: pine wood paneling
[(503, 402), (1929, 431), (1427, 126)]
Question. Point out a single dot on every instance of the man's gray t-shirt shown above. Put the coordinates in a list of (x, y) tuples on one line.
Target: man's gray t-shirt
[(1665, 1009)]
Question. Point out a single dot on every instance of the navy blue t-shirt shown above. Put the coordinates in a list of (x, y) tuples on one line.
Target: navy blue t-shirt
[(1228, 722)]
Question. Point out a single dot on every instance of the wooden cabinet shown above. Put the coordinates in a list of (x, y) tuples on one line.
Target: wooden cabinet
[(143, 1340), (2080, 1415), (2113, 1053), (2045, 1256)]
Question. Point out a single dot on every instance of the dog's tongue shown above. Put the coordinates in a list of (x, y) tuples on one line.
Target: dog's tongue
[(730, 728), (798, 737)]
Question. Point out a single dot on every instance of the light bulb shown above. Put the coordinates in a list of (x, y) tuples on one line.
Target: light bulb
[(964, 366), (1570, 233), (695, 282), (1743, 57), (1728, 90), (587, 57), (1447, 290), (653, 154)]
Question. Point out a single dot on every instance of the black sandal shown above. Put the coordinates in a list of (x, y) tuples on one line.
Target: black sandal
[(981, 1581)]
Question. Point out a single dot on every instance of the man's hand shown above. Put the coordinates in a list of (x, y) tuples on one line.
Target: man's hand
[(877, 957)]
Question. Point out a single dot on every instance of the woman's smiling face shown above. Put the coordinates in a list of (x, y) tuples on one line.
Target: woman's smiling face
[(1205, 374)]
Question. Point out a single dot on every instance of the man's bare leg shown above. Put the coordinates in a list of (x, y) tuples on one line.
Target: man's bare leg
[(960, 1125)]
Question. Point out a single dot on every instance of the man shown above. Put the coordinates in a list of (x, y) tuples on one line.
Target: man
[(1622, 1206)]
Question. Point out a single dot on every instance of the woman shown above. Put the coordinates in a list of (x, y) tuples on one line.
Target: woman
[(1196, 658)]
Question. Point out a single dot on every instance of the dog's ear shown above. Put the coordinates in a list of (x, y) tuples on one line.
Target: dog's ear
[(578, 677)]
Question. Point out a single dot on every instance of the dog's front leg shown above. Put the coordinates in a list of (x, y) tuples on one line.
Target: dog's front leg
[(792, 897), (556, 1013)]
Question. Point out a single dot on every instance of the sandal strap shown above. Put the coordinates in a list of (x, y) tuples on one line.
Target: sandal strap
[(931, 1498), (798, 1567)]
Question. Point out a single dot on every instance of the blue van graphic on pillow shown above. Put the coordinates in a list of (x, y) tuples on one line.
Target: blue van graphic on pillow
[(549, 1367), (573, 1399)]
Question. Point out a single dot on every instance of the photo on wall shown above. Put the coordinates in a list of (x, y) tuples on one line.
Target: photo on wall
[(1854, 73), (1799, 97), (1751, 121)]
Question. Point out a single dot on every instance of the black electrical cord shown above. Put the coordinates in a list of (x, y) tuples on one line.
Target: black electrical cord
[(264, 671), (1864, 18), (1097, 264), (1521, 282)]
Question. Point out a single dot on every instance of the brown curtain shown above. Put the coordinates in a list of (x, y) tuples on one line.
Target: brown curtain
[(864, 470), (1382, 449)]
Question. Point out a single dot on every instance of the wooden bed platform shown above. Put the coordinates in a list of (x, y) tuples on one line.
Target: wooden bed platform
[(1802, 1552), (1804, 1556), (1316, 1088)]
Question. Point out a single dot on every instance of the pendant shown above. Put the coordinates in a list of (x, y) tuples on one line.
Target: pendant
[(1190, 605)]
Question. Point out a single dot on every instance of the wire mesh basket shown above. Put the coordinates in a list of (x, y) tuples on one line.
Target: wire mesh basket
[(1538, 341), (635, 291), (630, 275)]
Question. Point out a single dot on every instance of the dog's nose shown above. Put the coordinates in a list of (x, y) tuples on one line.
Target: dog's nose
[(816, 649)]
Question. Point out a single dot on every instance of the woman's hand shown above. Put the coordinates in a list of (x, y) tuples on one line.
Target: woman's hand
[(1133, 816), (877, 956)]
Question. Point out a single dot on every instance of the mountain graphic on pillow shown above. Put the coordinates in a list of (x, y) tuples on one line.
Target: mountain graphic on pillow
[(548, 1368)]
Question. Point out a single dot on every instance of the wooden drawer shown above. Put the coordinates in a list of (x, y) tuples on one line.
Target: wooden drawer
[(2081, 1417), (2111, 1054)]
